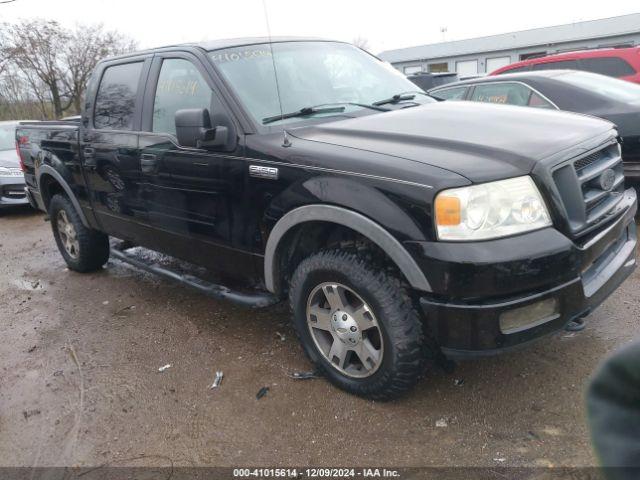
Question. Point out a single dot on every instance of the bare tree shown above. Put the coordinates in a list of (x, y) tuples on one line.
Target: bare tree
[(46, 54), (88, 45), (23, 97), (362, 42), (4, 51), (36, 48)]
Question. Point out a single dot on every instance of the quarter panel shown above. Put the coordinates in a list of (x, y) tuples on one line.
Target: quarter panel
[(57, 148)]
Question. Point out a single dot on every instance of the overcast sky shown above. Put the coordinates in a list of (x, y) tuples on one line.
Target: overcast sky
[(387, 24)]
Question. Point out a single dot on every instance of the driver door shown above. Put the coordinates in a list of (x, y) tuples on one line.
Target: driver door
[(193, 195)]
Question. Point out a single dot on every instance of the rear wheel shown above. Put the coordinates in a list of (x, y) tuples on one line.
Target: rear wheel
[(358, 325), (83, 249)]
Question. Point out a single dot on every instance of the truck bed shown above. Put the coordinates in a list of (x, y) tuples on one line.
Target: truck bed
[(53, 143)]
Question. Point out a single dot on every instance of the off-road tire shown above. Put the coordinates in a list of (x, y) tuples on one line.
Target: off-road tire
[(93, 251), (403, 360)]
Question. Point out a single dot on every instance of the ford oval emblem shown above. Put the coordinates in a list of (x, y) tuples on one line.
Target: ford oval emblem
[(607, 180)]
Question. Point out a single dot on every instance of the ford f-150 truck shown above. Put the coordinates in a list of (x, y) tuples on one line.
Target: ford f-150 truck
[(399, 227)]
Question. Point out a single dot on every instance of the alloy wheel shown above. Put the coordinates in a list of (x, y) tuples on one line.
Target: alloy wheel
[(68, 234), (345, 330)]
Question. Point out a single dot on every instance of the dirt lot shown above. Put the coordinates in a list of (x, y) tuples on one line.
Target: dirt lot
[(79, 380)]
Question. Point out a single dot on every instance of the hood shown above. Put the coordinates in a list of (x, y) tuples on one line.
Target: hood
[(9, 158), (479, 141)]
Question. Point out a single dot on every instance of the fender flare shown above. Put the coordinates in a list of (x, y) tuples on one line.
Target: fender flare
[(48, 170), (342, 216)]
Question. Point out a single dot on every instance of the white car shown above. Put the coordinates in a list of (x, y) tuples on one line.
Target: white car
[(12, 185)]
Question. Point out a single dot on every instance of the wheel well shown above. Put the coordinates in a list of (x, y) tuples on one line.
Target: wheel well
[(49, 187), (308, 238)]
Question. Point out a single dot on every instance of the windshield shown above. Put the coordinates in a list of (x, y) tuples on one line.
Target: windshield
[(309, 74), (7, 137), (613, 88)]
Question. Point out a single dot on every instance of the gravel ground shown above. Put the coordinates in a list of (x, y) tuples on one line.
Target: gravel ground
[(79, 380)]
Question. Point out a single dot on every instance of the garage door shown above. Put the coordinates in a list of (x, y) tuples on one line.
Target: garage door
[(467, 68), (497, 62), (412, 69)]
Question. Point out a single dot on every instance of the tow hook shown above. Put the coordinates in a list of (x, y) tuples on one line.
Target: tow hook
[(577, 324)]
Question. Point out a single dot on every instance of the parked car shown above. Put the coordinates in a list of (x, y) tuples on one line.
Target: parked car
[(426, 80), (574, 91), (398, 226), (623, 63), (12, 186)]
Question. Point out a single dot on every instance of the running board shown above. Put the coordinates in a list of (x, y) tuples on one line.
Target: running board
[(219, 292)]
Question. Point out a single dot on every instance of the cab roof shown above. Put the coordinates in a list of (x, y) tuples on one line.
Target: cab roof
[(240, 42), (210, 45)]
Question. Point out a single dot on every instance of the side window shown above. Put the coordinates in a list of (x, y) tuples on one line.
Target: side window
[(537, 101), (456, 93), (116, 98), (561, 65), (503, 93), (610, 66), (180, 86)]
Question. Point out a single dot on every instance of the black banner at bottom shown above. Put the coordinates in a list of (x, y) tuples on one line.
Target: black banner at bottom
[(197, 473)]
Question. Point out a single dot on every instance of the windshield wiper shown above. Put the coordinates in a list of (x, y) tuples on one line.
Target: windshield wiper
[(355, 104), (400, 97), (304, 112)]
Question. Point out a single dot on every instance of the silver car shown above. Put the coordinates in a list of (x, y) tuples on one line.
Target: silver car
[(11, 177)]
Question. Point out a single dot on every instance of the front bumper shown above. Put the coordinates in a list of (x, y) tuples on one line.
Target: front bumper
[(12, 191), (509, 275)]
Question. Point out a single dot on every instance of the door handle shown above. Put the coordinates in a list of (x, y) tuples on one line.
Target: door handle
[(148, 162)]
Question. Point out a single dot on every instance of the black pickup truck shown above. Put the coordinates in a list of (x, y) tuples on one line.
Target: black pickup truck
[(399, 226)]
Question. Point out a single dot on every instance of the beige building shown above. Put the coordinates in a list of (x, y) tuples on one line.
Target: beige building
[(482, 55)]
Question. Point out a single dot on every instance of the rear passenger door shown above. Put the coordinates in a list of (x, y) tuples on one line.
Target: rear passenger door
[(109, 146)]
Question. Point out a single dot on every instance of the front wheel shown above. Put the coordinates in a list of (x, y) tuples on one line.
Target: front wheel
[(357, 323), (83, 249)]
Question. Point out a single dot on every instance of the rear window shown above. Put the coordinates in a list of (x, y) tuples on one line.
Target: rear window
[(116, 98), (612, 88), (610, 66), (444, 79), (560, 65)]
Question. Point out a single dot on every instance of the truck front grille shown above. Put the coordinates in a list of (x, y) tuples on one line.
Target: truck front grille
[(586, 161), (591, 186)]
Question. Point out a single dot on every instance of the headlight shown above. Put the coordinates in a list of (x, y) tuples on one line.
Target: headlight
[(10, 172), (490, 210)]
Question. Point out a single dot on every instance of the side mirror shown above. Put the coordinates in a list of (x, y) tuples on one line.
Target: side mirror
[(193, 129)]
